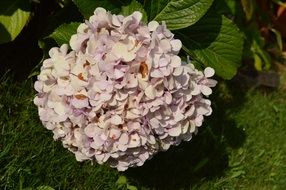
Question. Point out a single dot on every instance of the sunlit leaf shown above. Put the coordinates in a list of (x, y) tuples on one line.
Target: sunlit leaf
[(278, 38), (181, 13), (14, 15), (257, 62), (248, 7), (121, 180)]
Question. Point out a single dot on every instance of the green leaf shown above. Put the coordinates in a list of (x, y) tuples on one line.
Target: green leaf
[(122, 180), (259, 52), (87, 7), (257, 62), (183, 13), (134, 6), (14, 14), (248, 8), (154, 7), (63, 33), (131, 187), (278, 38), (215, 42)]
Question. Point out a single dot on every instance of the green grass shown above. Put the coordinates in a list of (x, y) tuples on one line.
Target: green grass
[(241, 146), (260, 161)]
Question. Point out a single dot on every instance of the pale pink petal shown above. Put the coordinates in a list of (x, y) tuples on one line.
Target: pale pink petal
[(150, 92), (209, 72), (153, 25), (175, 61), (116, 120), (123, 139), (134, 141), (175, 131), (206, 90), (176, 45), (90, 130)]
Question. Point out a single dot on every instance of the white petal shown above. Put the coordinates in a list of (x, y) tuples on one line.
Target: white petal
[(38, 86), (123, 139), (80, 157), (64, 48), (185, 127), (116, 120), (118, 73), (178, 71), (90, 130), (168, 97), (211, 83), (82, 27), (175, 131), (206, 90), (59, 108), (199, 120), (150, 92), (134, 140), (115, 21), (114, 133), (209, 72), (137, 15), (179, 116), (156, 73), (165, 45), (63, 82), (120, 50), (154, 123), (175, 61), (131, 115), (99, 10), (152, 26), (196, 89), (202, 110), (122, 147), (74, 42), (151, 139), (98, 142), (192, 128), (176, 45)]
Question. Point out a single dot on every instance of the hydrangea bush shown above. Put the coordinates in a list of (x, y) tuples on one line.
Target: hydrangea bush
[(122, 93)]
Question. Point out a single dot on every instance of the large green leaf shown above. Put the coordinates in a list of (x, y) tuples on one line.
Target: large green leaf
[(182, 13), (14, 14), (63, 33), (154, 7), (216, 42), (134, 6), (87, 7)]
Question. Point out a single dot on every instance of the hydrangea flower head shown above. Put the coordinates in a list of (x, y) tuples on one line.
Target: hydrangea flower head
[(122, 93)]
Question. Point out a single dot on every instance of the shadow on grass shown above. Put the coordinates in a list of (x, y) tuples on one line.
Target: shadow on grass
[(203, 158)]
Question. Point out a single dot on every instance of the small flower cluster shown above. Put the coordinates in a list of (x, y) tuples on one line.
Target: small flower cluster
[(122, 94)]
